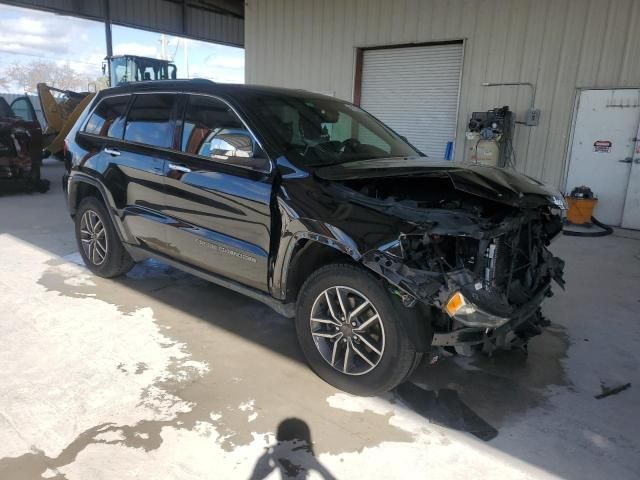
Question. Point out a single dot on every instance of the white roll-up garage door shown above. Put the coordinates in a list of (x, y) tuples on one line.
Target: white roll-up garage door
[(415, 91)]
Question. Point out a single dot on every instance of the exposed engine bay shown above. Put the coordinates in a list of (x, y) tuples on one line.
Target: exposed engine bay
[(481, 267)]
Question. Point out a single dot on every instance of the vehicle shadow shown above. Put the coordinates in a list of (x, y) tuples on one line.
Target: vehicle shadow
[(444, 407), (292, 455)]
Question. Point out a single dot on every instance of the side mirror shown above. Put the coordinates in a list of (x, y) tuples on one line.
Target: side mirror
[(104, 68), (230, 145)]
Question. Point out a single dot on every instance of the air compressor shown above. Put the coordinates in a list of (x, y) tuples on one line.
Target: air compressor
[(488, 137)]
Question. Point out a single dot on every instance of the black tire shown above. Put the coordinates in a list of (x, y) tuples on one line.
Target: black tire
[(399, 356), (36, 166), (36, 182), (116, 261)]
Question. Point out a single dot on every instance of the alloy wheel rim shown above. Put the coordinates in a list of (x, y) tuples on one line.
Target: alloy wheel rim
[(347, 330), (93, 237)]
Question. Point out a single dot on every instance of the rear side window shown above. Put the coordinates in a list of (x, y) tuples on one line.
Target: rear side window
[(149, 120), (107, 120)]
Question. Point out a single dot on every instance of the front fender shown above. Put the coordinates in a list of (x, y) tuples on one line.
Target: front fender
[(295, 231)]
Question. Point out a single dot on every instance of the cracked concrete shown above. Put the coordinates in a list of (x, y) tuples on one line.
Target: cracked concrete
[(162, 375)]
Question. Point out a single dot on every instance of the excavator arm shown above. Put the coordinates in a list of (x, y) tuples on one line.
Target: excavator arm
[(61, 109)]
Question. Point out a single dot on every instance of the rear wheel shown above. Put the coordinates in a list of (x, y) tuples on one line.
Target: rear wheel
[(98, 242), (352, 331)]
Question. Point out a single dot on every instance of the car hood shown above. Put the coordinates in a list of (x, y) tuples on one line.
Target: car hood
[(497, 184)]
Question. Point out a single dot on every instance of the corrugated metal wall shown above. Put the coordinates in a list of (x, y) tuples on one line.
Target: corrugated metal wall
[(559, 45), (163, 16)]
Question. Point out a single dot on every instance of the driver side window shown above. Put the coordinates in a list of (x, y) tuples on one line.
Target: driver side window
[(213, 131)]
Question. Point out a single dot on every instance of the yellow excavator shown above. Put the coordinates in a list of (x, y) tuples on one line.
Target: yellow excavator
[(61, 108)]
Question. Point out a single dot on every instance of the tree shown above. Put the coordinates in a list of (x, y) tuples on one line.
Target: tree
[(4, 83), (27, 76)]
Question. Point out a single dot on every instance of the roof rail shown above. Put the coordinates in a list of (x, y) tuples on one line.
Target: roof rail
[(153, 82)]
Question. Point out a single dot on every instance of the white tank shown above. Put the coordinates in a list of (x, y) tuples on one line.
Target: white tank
[(484, 152)]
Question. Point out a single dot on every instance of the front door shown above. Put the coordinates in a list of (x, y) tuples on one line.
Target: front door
[(605, 153), (23, 108), (219, 195)]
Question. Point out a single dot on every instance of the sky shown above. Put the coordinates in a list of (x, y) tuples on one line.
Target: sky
[(28, 35)]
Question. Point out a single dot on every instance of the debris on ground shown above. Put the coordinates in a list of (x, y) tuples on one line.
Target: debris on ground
[(608, 391)]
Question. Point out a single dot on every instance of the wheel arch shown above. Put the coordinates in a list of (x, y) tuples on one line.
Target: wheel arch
[(311, 253), (308, 255), (80, 186)]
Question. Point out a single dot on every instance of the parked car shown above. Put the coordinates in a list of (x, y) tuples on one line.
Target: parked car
[(20, 147), (314, 207)]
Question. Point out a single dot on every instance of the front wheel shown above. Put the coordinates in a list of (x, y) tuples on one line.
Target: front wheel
[(352, 331)]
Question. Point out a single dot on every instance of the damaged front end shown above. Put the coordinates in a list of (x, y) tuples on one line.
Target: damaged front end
[(473, 249), (485, 285)]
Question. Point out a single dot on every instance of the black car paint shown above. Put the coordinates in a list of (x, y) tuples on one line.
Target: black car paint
[(244, 226)]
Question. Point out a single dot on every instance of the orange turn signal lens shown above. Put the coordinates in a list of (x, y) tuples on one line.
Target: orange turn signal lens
[(455, 303)]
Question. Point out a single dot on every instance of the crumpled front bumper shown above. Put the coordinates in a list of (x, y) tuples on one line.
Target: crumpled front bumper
[(482, 326)]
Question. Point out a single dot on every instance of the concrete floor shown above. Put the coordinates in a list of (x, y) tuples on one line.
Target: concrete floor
[(162, 375)]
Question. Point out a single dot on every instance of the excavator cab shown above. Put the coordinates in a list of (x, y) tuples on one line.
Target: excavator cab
[(131, 68)]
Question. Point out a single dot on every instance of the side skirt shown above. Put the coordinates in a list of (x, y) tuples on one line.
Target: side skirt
[(284, 309)]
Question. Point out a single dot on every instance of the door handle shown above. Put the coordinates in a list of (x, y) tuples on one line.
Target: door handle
[(179, 168), (112, 151), (626, 160)]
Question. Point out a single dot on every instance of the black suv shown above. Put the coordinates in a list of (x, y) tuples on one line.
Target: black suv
[(314, 207)]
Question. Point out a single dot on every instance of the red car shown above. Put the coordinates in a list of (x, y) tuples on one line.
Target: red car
[(20, 147)]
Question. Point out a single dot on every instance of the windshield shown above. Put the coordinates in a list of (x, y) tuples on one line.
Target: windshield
[(323, 131)]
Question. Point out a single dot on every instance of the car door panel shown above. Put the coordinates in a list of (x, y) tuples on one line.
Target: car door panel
[(221, 221), (140, 175), (148, 139), (220, 211)]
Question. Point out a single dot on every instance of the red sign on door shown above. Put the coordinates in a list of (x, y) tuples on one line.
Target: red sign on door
[(602, 146)]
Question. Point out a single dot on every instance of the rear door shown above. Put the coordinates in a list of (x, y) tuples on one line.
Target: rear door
[(218, 194), (129, 139)]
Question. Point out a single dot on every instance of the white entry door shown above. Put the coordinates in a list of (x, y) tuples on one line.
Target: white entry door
[(631, 213), (605, 154)]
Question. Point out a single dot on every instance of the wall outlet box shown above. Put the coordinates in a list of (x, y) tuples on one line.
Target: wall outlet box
[(533, 117)]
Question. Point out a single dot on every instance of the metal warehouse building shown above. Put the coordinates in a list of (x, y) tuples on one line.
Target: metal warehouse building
[(420, 66)]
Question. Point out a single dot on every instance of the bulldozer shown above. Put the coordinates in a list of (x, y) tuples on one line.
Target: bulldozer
[(62, 108)]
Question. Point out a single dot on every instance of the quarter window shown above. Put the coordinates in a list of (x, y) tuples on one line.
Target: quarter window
[(211, 129), (149, 120), (107, 120)]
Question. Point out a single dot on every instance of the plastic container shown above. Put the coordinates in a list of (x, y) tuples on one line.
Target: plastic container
[(580, 210)]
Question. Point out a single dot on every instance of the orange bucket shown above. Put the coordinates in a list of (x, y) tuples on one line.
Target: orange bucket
[(580, 209)]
